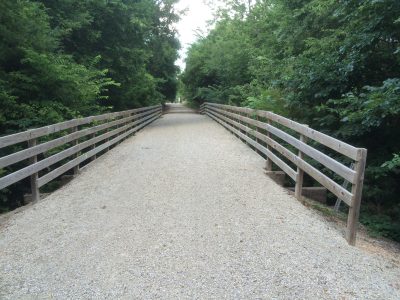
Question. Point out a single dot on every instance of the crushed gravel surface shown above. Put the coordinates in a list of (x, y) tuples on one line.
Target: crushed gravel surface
[(182, 210)]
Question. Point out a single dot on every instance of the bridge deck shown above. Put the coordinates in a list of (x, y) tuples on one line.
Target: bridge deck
[(182, 210)]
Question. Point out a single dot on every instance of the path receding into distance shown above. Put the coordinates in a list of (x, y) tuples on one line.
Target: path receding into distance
[(182, 210)]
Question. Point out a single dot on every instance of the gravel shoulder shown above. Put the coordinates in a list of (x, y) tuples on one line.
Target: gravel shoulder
[(182, 210)]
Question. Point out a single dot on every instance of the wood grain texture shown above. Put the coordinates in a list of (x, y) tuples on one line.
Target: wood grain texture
[(324, 180), (36, 167), (320, 157), (280, 163), (326, 140), (71, 164), (35, 192), (46, 130), (41, 148), (354, 210), (298, 191)]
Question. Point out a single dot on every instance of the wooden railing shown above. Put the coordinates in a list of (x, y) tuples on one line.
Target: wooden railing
[(287, 143), (71, 143)]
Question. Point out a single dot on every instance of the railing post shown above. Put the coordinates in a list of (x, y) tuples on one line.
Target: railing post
[(268, 162), (300, 173), (257, 118), (356, 190), (243, 114), (108, 139), (126, 130), (74, 143), (118, 126), (34, 177), (92, 136), (133, 115)]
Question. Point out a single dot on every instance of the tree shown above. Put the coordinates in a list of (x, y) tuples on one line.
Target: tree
[(135, 41), (41, 85)]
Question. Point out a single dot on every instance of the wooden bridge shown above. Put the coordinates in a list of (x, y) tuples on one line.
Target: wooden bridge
[(183, 209)]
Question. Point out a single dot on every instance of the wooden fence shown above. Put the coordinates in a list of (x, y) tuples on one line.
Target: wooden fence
[(49, 152), (287, 143)]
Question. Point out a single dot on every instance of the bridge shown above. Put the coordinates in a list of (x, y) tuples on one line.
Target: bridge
[(177, 206)]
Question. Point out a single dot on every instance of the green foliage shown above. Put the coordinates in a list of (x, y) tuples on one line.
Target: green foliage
[(381, 225), (62, 59), (218, 64), (77, 56), (39, 84), (393, 165), (332, 64), (372, 107), (134, 39)]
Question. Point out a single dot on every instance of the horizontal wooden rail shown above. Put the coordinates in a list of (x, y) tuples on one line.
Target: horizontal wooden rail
[(326, 140), (273, 157), (42, 131), (98, 134), (246, 124)]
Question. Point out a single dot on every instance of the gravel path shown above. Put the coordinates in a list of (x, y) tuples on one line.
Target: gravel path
[(182, 210)]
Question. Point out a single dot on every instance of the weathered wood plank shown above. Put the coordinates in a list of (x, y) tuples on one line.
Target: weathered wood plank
[(331, 185), (354, 210), (275, 145), (268, 165), (35, 192), (41, 148), (46, 130), (280, 163), (322, 158), (27, 171), (233, 108), (298, 192), (76, 142), (71, 164), (326, 140)]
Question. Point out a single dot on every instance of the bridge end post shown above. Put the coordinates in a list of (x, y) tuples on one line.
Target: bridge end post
[(356, 190), (35, 192)]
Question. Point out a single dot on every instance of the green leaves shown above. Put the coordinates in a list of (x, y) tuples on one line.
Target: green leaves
[(393, 164), (61, 59), (334, 65), (82, 54), (370, 108)]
